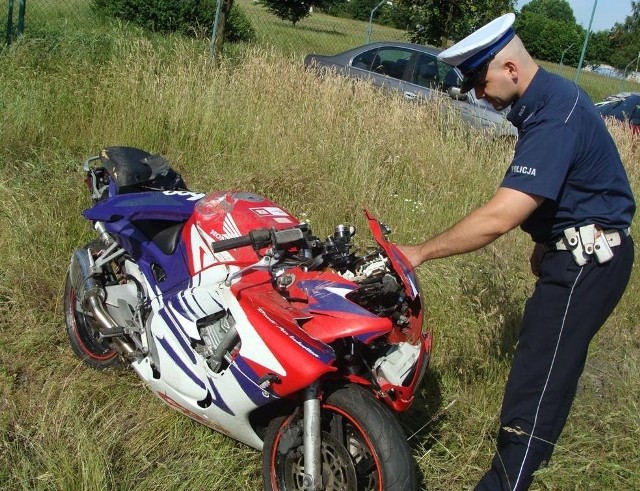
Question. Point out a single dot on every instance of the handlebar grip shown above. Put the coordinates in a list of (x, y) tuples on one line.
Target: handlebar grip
[(255, 238), (232, 243)]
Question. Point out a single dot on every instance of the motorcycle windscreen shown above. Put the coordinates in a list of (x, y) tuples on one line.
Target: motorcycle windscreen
[(398, 260)]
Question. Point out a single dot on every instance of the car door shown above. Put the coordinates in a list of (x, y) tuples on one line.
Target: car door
[(484, 116), (431, 76), (423, 79)]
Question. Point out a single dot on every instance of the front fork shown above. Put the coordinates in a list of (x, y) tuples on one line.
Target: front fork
[(312, 439)]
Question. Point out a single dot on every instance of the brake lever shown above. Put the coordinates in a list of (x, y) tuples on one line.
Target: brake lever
[(313, 263), (271, 257)]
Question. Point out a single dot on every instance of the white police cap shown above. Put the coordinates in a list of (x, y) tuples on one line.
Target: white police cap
[(472, 53)]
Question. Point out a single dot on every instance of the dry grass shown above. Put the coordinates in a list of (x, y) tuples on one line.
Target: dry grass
[(321, 147)]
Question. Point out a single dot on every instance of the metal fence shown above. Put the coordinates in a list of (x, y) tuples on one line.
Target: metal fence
[(317, 33), (29, 16)]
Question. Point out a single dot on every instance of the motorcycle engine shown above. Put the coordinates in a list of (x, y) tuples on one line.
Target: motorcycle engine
[(380, 291), (219, 339)]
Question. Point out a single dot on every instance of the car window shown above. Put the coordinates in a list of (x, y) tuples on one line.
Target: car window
[(367, 60), (425, 71), (430, 72), (449, 76), (386, 61)]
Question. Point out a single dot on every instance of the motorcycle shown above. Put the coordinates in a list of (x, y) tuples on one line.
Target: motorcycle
[(233, 313)]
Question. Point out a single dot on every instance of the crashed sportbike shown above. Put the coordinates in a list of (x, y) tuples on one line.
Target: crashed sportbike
[(232, 312)]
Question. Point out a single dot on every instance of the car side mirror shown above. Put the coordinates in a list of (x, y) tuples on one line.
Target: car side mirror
[(455, 94)]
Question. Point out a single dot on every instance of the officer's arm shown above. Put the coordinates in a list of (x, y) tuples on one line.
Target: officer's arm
[(506, 210)]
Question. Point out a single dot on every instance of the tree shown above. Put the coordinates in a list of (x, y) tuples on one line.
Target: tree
[(440, 22), (291, 10), (294, 10), (394, 15), (550, 38), (600, 50), (361, 9), (389, 13), (558, 10), (625, 39)]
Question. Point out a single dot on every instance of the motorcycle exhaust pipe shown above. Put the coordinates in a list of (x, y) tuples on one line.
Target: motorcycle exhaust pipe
[(95, 302), (92, 296)]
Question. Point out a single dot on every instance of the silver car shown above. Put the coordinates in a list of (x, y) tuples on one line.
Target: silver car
[(415, 71)]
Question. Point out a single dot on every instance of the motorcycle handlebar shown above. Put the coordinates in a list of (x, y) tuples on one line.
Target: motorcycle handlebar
[(255, 238), (259, 238)]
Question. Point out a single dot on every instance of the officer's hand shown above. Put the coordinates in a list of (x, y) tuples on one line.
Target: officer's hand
[(412, 253)]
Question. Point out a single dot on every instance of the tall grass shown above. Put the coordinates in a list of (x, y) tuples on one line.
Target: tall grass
[(321, 147), (596, 85)]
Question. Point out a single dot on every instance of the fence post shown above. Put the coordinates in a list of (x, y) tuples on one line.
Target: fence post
[(586, 41), (21, 10), (214, 29), (223, 9), (9, 20), (371, 20), (623, 82)]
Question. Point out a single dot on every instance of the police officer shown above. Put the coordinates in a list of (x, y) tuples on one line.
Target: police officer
[(567, 188)]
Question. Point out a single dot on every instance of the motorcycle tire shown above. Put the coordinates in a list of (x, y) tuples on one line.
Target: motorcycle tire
[(363, 447), (83, 334)]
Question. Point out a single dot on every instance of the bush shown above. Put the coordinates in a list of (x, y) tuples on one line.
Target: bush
[(239, 27), (189, 17)]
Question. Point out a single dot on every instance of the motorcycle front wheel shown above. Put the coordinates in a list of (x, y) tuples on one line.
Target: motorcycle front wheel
[(82, 333), (363, 447)]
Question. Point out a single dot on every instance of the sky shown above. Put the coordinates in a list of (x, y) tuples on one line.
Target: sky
[(608, 12)]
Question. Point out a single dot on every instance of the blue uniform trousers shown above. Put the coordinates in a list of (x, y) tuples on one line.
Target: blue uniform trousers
[(569, 304)]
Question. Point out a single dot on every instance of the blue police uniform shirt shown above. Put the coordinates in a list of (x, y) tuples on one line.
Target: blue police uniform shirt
[(565, 154)]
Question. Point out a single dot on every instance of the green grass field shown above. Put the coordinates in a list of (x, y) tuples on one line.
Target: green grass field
[(321, 148), (319, 33)]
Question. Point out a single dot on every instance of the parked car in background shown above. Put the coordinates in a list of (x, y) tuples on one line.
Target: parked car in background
[(415, 71), (624, 106)]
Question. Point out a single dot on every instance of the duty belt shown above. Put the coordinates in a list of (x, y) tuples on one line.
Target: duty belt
[(588, 241)]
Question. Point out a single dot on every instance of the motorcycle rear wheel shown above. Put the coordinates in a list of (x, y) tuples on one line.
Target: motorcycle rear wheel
[(363, 447), (83, 333)]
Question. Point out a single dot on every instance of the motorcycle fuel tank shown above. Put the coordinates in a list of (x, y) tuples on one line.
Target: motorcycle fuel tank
[(225, 215)]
